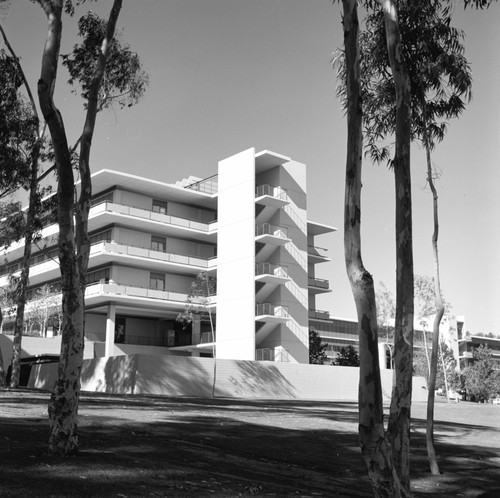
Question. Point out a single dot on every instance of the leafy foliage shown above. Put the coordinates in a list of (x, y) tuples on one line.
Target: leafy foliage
[(197, 303), (478, 4), (124, 81), (425, 299), (481, 380), (44, 308), (446, 356), (439, 74), (17, 128), (317, 354), (347, 357)]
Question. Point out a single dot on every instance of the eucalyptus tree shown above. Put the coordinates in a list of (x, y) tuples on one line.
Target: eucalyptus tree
[(440, 80), (92, 68), (386, 454), (375, 444), (28, 135)]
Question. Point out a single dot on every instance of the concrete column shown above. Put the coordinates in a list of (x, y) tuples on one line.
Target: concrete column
[(110, 330), (381, 356), (196, 331)]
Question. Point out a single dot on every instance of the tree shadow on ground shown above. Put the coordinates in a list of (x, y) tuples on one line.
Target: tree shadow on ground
[(147, 446)]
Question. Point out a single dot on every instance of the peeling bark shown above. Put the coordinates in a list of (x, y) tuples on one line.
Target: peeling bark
[(73, 227), (375, 448), (400, 410)]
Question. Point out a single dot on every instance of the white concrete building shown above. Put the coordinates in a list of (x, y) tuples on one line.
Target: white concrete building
[(246, 226)]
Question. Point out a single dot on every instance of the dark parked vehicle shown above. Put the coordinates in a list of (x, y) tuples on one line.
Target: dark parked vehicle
[(27, 363)]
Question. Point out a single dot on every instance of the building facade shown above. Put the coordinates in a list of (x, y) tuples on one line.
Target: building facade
[(246, 228)]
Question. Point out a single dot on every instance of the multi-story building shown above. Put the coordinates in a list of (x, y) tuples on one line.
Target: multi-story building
[(246, 227), (338, 333)]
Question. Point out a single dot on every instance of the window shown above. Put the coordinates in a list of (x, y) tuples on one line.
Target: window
[(158, 243), (102, 198), (97, 276), (157, 281), (159, 206), (101, 236)]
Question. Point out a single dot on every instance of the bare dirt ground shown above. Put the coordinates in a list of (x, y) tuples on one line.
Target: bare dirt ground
[(145, 446)]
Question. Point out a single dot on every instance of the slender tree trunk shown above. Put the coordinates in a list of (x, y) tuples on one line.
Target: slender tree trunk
[(30, 220), (400, 410), (426, 350), (431, 452), (213, 334), (374, 445), (22, 285), (3, 382), (445, 374), (73, 239), (213, 350), (63, 404)]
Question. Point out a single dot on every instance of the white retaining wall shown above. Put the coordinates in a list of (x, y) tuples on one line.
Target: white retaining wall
[(191, 376), (32, 346)]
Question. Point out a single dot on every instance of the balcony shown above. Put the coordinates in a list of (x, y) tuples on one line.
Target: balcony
[(271, 354), (318, 285), (317, 254), (271, 196), (271, 313), (208, 185), (105, 251), (266, 272), (267, 278), (271, 234), (107, 212), (141, 298), (319, 315)]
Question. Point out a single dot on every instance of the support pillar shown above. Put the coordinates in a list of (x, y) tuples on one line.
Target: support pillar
[(110, 330)]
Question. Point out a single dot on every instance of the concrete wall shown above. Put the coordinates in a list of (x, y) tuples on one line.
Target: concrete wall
[(236, 257), (32, 346), (189, 376)]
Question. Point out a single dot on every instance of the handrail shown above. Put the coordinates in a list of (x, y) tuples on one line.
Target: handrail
[(268, 229), (155, 216)]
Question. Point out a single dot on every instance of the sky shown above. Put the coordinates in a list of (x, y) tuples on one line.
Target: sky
[(226, 75)]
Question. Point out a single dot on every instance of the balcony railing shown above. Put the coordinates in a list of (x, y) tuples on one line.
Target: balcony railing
[(114, 247), (319, 314), (269, 269), (271, 310), (271, 354), (208, 185), (152, 215), (132, 291), (319, 283), (276, 192), (317, 251), (268, 229), (206, 338)]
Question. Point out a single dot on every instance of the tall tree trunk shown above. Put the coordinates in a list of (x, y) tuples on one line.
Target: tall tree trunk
[(3, 382), (30, 221), (445, 374), (22, 285), (74, 246), (63, 404), (374, 445), (431, 452), (426, 350), (400, 410)]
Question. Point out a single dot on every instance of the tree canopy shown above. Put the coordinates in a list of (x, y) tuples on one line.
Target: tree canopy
[(317, 349)]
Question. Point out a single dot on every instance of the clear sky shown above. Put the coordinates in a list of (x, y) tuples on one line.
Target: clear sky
[(226, 75)]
